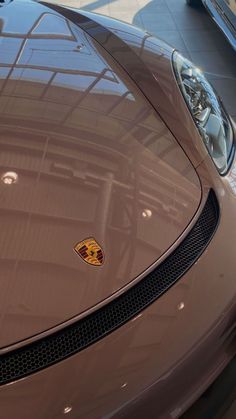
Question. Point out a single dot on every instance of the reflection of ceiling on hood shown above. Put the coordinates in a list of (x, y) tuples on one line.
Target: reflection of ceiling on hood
[(63, 87), (91, 157)]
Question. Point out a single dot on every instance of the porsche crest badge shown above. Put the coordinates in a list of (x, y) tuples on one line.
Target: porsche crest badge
[(90, 251)]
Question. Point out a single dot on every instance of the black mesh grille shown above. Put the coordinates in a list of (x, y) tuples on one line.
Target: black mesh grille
[(83, 333)]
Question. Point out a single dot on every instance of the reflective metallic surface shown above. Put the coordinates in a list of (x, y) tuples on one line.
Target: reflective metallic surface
[(147, 60), (94, 158), (90, 153)]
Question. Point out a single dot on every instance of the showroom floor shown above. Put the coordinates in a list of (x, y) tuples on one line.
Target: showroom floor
[(193, 33)]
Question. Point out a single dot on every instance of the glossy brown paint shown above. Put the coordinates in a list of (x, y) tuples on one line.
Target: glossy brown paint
[(156, 365), (93, 159), (147, 61)]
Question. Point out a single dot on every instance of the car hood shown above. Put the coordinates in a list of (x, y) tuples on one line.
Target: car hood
[(90, 158)]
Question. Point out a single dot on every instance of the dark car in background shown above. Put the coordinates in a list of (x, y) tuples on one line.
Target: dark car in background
[(224, 14)]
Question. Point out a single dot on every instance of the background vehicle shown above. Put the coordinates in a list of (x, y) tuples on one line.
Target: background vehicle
[(224, 14)]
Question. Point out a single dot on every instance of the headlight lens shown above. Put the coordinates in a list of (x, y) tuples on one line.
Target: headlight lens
[(208, 114)]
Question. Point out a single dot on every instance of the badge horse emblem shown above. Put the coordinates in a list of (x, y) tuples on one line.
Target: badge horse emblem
[(90, 251)]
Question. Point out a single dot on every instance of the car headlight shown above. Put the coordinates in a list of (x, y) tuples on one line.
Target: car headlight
[(207, 111)]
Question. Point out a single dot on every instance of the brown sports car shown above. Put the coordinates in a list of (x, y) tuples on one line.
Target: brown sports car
[(118, 203)]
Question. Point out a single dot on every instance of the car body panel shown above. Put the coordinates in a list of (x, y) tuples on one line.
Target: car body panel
[(147, 60), (121, 375), (93, 159), (157, 364)]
